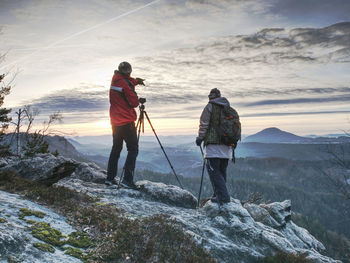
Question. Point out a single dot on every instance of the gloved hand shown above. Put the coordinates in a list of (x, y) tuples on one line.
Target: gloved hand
[(140, 81), (199, 141)]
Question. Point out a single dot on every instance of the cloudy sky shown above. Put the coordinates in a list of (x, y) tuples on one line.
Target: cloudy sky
[(279, 62)]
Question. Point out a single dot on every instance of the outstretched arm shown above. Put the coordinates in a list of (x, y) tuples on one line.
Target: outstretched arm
[(137, 81)]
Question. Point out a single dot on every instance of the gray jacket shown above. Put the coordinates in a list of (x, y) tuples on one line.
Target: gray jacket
[(205, 117)]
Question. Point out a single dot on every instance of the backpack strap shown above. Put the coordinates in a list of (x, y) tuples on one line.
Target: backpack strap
[(121, 93), (212, 134), (131, 87)]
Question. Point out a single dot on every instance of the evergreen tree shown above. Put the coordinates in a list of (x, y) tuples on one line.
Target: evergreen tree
[(35, 144), (4, 118)]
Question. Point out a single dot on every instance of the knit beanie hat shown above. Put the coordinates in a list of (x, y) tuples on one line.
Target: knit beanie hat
[(214, 93)]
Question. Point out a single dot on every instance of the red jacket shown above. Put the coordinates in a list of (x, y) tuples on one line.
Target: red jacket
[(123, 100)]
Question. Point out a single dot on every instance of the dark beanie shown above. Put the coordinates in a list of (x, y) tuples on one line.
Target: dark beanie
[(214, 93)]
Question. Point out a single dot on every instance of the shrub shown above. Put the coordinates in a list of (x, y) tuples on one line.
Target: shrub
[(35, 144), (286, 258)]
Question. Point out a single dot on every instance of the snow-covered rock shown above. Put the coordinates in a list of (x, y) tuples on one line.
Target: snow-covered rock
[(275, 215), (246, 233), (16, 241), (49, 169), (44, 167), (3, 163), (227, 232), (168, 194), (89, 172)]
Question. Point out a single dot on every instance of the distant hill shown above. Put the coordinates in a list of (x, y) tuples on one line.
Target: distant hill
[(59, 143), (275, 135)]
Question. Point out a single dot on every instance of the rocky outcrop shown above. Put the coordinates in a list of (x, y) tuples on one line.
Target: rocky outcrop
[(245, 232), (48, 169), (253, 239), (43, 168)]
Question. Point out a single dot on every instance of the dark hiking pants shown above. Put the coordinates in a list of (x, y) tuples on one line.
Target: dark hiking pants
[(217, 173), (123, 133)]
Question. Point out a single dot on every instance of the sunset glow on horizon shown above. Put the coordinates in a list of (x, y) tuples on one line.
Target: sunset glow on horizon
[(279, 64)]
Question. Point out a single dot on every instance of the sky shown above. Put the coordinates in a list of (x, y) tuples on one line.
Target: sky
[(280, 63)]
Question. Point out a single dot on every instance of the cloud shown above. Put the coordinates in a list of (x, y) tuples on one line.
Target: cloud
[(82, 99), (166, 94), (311, 10), (185, 76), (344, 98), (275, 64), (91, 100), (270, 47), (272, 114), (266, 92)]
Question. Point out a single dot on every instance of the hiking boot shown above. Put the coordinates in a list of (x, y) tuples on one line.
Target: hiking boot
[(110, 183), (129, 185), (226, 201), (214, 199)]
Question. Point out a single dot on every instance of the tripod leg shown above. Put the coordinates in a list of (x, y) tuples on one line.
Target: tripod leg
[(140, 123), (138, 132), (161, 146), (137, 124)]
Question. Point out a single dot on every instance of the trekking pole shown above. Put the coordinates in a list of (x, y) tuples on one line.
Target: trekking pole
[(121, 177), (161, 146), (200, 188)]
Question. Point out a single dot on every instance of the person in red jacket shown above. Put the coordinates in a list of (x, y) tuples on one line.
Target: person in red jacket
[(123, 101)]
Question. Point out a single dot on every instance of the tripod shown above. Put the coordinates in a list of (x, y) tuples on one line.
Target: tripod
[(141, 126)]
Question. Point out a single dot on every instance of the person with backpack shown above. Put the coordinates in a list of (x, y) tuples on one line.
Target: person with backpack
[(220, 130), (123, 99)]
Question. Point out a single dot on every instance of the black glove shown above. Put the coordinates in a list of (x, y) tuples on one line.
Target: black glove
[(140, 81), (199, 141)]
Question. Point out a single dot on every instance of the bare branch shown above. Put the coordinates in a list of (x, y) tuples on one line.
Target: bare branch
[(55, 117), (8, 85), (30, 114), (341, 185), (57, 132)]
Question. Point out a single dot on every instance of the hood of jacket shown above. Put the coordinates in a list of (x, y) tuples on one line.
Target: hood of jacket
[(222, 101), (119, 75)]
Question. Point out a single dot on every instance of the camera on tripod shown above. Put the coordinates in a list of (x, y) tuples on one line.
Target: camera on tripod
[(142, 100)]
